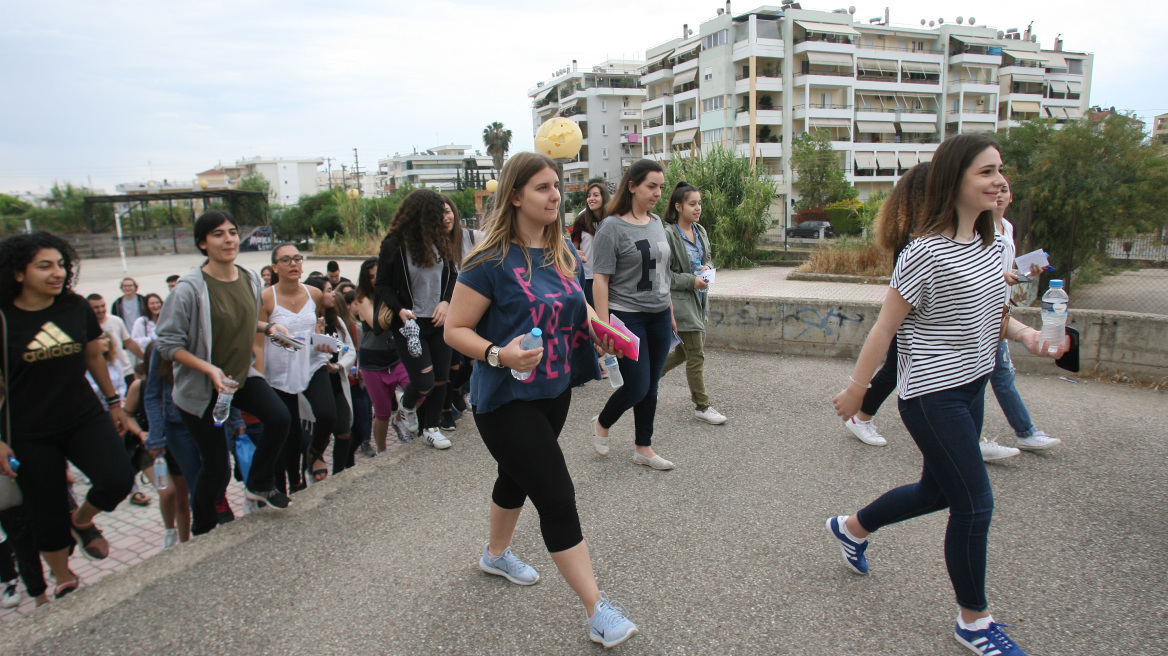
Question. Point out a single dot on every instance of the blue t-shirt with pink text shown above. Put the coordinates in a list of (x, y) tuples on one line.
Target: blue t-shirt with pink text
[(519, 302)]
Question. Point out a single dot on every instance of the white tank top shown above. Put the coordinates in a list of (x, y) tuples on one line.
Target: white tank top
[(286, 370)]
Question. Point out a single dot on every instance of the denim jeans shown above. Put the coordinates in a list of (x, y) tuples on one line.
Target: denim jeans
[(655, 330), (181, 446), (946, 426), (1002, 381)]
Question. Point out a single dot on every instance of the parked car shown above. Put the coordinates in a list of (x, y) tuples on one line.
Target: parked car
[(811, 230)]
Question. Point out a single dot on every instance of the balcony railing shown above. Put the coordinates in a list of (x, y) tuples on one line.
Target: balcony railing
[(833, 72), (895, 139), (931, 51), (767, 74), (911, 80), (822, 106), (571, 111), (872, 77), (825, 38)]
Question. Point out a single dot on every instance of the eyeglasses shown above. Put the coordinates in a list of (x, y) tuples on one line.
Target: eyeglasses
[(290, 259)]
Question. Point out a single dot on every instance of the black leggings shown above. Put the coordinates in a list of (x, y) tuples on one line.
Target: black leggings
[(17, 527), (319, 395), (883, 383), (257, 398), (96, 449), (342, 449), (435, 356), (531, 464), (458, 378)]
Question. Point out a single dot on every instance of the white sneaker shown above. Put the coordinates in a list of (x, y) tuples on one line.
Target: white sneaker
[(250, 506), (710, 416), (865, 431), (656, 462), (1038, 441), (11, 596), (598, 442), (991, 450), (170, 538), (409, 418), (435, 438)]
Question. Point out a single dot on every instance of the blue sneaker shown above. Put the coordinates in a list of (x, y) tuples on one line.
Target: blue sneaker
[(853, 551), (609, 624), (509, 567), (988, 642)]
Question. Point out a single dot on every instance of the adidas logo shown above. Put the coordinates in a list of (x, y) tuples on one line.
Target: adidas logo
[(50, 342)]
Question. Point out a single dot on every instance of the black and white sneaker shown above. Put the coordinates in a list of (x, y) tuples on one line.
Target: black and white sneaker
[(447, 423), (272, 497)]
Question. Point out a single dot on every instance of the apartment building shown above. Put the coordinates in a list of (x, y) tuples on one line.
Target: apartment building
[(438, 168), (606, 102), (1160, 128), (290, 178), (887, 94)]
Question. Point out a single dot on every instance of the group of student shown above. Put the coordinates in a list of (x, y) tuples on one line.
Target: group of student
[(441, 301)]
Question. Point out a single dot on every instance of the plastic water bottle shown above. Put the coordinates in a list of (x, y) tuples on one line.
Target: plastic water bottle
[(161, 473), (1054, 315), (223, 405), (531, 340), (613, 369)]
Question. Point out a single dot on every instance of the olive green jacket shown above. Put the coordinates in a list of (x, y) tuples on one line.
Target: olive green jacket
[(690, 308)]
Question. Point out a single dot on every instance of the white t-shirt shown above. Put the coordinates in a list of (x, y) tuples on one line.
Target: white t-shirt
[(586, 249), (950, 337), (1008, 250), (114, 326)]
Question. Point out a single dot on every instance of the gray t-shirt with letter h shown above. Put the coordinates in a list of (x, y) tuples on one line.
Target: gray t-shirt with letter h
[(636, 259)]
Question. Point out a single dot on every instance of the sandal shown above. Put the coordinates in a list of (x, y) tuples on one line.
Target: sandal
[(139, 499), (320, 474), (94, 546), (65, 588)]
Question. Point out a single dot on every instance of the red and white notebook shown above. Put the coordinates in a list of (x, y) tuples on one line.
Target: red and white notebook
[(622, 338)]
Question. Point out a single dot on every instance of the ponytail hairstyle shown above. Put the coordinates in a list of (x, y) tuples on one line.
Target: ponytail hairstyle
[(680, 193), (622, 202), (364, 285), (330, 313), (901, 213), (501, 225), (950, 162)]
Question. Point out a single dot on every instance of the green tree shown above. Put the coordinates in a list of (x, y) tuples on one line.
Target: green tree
[(465, 202), (1085, 184), (819, 178), (255, 211), (497, 139), (735, 202), (12, 211)]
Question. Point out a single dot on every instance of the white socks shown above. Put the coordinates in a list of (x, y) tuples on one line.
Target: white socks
[(980, 625), (848, 534)]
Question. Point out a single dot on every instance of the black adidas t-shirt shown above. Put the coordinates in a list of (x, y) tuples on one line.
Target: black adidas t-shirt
[(47, 391)]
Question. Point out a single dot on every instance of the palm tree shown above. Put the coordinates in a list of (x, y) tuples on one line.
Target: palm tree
[(497, 139)]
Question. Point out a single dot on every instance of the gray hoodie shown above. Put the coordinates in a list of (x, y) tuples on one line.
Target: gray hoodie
[(185, 323)]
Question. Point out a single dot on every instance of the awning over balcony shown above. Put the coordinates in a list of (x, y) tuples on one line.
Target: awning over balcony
[(1074, 86), (686, 77), (918, 128), (1023, 77), (1073, 112), (1055, 61), (654, 114), (684, 136), (907, 159), (873, 105), (977, 127), (876, 65), (829, 58), (1026, 106), (922, 67), (975, 40), (830, 122), (876, 127), (926, 155), (1026, 56), (886, 160), (827, 28), (865, 160), (1056, 112), (1058, 86), (657, 60)]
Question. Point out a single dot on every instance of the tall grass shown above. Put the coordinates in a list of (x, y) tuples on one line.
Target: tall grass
[(345, 245), (850, 257)]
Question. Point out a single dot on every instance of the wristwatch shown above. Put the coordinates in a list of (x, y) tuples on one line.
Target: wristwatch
[(493, 357)]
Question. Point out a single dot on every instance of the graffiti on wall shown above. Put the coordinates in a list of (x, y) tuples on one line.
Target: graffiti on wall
[(816, 326)]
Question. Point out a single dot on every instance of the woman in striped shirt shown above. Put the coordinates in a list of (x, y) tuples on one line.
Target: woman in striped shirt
[(944, 308)]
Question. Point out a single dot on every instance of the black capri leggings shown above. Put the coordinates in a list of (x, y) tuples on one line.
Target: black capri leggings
[(531, 464), (435, 355), (96, 449), (319, 395)]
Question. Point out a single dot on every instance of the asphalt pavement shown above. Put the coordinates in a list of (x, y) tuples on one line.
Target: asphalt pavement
[(727, 554)]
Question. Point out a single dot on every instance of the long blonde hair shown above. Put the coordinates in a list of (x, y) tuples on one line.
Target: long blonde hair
[(501, 225)]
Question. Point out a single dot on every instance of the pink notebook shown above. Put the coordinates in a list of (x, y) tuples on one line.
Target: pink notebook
[(625, 343)]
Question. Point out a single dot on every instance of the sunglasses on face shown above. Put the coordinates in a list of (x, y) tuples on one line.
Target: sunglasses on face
[(290, 259)]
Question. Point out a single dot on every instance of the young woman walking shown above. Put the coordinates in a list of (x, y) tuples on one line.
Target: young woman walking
[(452, 405), (524, 275), (416, 270), (170, 437), (631, 281), (583, 231), (51, 339), (945, 309), (689, 249), (206, 329), (291, 373), (338, 366), (145, 328), (381, 369)]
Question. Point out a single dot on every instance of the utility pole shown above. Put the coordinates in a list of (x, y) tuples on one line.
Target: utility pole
[(357, 170), (344, 179), (329, 163)]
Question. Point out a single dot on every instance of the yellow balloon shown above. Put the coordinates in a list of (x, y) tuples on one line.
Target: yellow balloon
[(559, 138), (492, 185)]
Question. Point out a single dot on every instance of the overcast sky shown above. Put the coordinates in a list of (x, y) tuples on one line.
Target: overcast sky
[(164, 90)]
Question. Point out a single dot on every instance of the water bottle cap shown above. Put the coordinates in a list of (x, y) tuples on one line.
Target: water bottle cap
[(536, 332), (1056, 284)]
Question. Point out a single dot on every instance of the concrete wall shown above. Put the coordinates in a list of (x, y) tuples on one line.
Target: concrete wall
[(1127, 342)]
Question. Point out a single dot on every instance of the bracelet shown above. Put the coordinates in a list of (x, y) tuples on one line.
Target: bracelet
[(1018, 332), (268, 329), (113, 404), (868, 386), (114, 398)]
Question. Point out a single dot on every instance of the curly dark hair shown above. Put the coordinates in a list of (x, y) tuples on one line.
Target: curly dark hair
[(418, 223), (17, 251)]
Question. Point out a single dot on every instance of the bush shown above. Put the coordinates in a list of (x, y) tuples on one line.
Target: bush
[(817, 213), (850, 257), (845, 216)]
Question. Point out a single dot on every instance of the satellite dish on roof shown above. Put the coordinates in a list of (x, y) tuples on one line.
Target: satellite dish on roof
[(852, 9), (1001, 34), (972, 20), (941, 21), (922, 21), (960, 20), (931, 23)]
